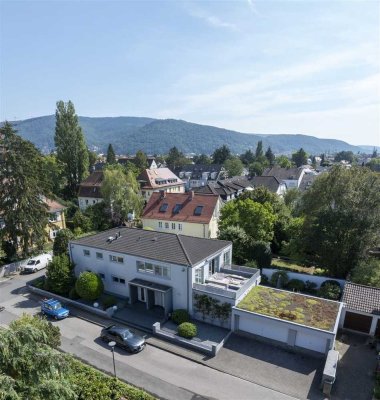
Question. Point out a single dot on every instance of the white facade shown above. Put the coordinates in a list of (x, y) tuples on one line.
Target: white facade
[(85, 202)]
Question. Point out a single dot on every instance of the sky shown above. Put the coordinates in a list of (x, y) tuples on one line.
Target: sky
[(270, 67)]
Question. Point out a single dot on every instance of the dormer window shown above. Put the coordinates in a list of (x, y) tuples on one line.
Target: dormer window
[(164, 207), (198, 210), (177, 208)]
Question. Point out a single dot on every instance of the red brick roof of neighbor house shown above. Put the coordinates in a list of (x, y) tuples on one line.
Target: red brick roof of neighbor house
[(188, 201), (150, 178), (54, 206), (90, 187), (362, 298)]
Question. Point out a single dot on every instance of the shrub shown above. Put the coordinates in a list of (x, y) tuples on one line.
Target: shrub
[(109, 301), (180, 316), (264, 279), (330, 282), (296, 285), (280, 277), (61, 242), (73, 295), (262, 254), (330, 291), (187, 330), (39, 282), (59, 275), (89, 286), (310, 287)]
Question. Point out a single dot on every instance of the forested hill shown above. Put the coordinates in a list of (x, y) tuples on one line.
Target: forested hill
[(129, 134)]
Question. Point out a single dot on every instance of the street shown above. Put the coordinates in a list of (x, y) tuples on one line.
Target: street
[(163, 374)]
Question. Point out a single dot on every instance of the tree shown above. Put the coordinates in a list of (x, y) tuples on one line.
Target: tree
[(283, 162), (141, 161), (247, 158), (270, 156), (59, 277), (374, 153), (92, 158), (82, 221), (54, 171), (202, 159), (71, 147), (367, 272), (99, 216), (121, 194), (23, 182), (345, 156), (175, 158), (89, 286), (256, 169), (221, 154), (261, 253), (111, 157), (240, 240), (61, 242), (259, 149), (299, 157), (233, 166), (341, 213)]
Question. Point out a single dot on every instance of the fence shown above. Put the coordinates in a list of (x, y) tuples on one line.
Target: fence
[(10, 269)]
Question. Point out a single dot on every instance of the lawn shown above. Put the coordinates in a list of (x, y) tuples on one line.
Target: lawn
[(292, 266), (290, 306)]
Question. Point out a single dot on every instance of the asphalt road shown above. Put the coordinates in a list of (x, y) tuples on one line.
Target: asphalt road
[(163, 374)]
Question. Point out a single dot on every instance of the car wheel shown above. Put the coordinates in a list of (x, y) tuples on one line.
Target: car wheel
[(35, 270)]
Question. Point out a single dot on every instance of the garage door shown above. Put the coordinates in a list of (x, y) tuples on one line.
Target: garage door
[(357, 322)]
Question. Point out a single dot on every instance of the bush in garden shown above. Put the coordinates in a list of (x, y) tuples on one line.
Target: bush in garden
[(296, 285), (61, 242), (89, 286), (187, 330), (330, 291), (264, 279), (109, 301), (59, 277), (279, 276), (310, 287), (262, 254), (180, 316), (73, 295), (330, 282)]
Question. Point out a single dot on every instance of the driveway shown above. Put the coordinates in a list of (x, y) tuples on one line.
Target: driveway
[(355, 375), (295, 374)]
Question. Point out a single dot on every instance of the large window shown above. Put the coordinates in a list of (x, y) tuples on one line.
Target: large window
[(227, 257), (199, 275), (116, 259), (86, 253), (153, 269), (99, 256), (116, 279)]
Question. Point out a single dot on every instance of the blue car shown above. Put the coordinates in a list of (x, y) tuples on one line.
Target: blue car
[(54, 309)]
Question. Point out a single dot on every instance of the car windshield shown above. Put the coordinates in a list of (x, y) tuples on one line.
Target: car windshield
[(31, 262), (57, 306), (127, 334)]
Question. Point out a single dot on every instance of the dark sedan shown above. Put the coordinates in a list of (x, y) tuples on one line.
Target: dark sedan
[(124, 338)]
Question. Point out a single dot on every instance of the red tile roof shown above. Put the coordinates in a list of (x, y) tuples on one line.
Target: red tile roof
[(54, 206), (188, 201), (158, 178)]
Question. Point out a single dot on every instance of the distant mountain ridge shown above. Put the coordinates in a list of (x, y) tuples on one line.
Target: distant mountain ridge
[(156, 136)]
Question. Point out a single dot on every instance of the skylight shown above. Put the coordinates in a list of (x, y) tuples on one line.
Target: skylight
[(177, 208), (198, 210), (164, 207)]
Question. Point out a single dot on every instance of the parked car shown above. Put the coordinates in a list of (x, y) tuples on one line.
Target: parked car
[(54, 309), (124, 338), (36, 263)]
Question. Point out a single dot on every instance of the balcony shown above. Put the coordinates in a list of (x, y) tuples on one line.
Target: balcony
[(231, 281)]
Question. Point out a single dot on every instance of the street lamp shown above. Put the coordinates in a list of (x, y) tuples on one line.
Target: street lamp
[(112, 345)]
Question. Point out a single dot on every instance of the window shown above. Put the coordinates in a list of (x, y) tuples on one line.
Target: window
[(117, 259), (153, 269), (199, 275), (198, 210), (177, 208), (149, 268), (180, 227), (86, 253), (166, 225), (140, 266), (116, 279), (122, 281), (93, 201), (164, 207), (99, 256), (227, 257), (102, 276), (86, 201), (160, 224), (173, 225)]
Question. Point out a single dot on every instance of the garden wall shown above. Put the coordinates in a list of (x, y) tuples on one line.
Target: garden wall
[(318, 280)]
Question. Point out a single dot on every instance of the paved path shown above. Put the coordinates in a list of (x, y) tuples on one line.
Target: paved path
[(164, 374)]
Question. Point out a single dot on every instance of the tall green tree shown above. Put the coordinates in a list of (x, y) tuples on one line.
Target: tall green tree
[(234, 166), (202, 159), (259, 149), (54, 172), (345, 155), (299, 157), (283, 162), (221, 154), (120, 191), (61, 242), (141, 161), (270, 156), (59, 277), (341, 218), (71, 147), (175, 158), (23, 183), (92, 158), (111, 156), (247, 158)]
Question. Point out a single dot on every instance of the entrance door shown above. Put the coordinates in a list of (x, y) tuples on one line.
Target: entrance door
[(357, 322), (141, 294), (158, 299)]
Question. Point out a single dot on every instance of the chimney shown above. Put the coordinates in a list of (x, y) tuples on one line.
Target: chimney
[(191, 195)]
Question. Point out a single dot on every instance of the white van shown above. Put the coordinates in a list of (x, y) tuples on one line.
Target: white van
[(36, 263)]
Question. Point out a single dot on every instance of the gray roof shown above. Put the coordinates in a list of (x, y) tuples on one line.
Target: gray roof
[(269, 182), (159, 246), (362, 298), (283, 173)]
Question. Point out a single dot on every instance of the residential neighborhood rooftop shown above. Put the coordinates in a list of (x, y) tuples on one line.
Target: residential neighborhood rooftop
[(362, 298), (225, 187), (91, 186), (54, 205), (157, 178), (183, 207), (301, 309), (283, 173), (269, 182), (159, 246)]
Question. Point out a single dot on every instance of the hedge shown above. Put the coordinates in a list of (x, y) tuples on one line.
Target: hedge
[(187, 330), (179, 316)]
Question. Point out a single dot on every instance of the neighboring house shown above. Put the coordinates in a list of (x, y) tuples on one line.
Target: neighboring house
[(195, 175), (89, 192), (269, 182), (361, 312), (307, 181), (227, 189), (291, 177), (185, 213), (162, 269), (154, 180), (56, 218), (151, 161)]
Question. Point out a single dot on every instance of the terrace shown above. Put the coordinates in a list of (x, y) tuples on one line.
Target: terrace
[(301, 309)]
